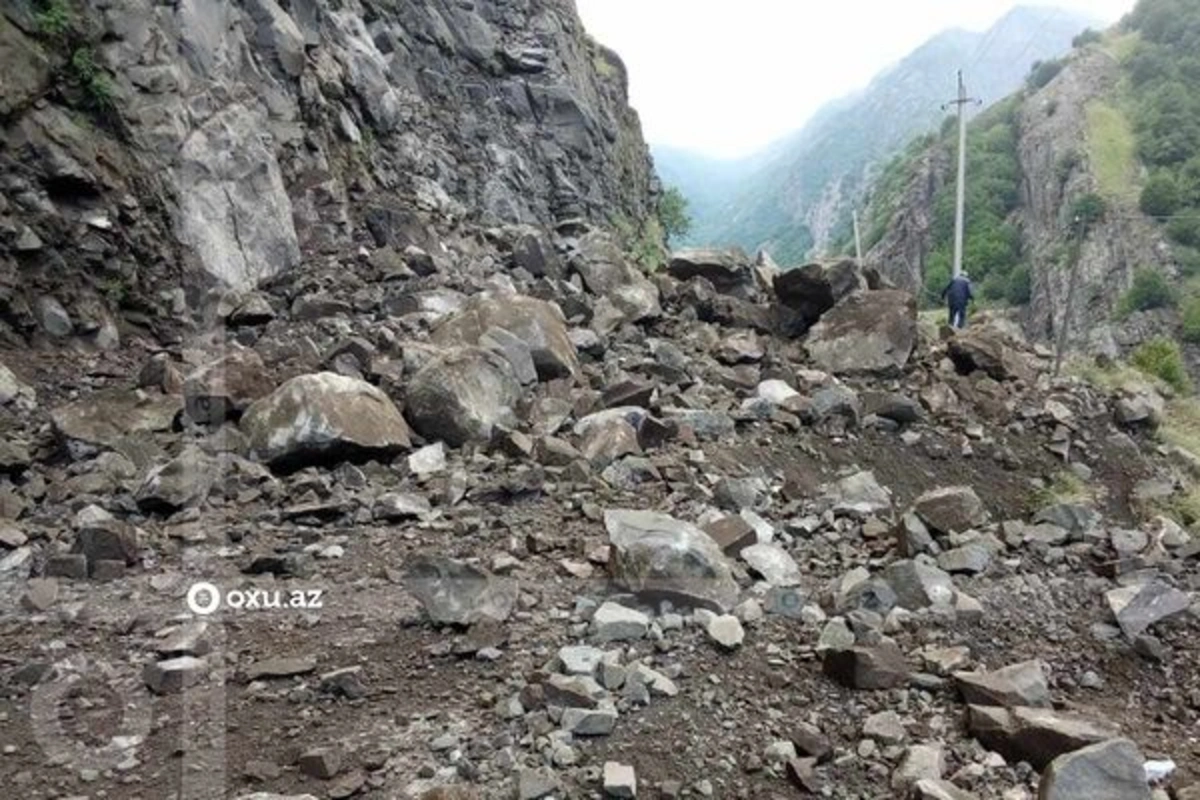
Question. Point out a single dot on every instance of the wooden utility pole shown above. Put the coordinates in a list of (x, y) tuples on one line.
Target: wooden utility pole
[(961, 101), (857, 240)]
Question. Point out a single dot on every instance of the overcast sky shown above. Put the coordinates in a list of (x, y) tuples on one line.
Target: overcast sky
[(726, 77)]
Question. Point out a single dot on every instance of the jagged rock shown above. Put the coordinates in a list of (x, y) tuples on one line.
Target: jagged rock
[(986, 350), (183, 481), (930, 789), (1111, 770), (613, 622), (913, 537), (454, 593), (174, 675), (867, 667), (106, 417), (1036, 735), (608, 440), (867, 333), (102, 537), (598, 721), (535, 784), (727, 270), (10, 387), (619, 781), (324, 417), (1138, 607), (580, 659), (14, 458), (1021, 684), (726, 630), (774, 564), (1145, 408), (951, 509), (577, 691), (972, 559), (53, 318), (462, 395), (921, 762), (732, 533), (224, 388), (514, 350), (896, 407), (657, 556), (705, 424), (395, 506), (836, 407), (918, 585), (886, 727), (813, 289), (860, 496), (1078, 520), (539, 324)]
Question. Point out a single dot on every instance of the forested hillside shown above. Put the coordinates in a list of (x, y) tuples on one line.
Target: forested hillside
[(1083, 190)]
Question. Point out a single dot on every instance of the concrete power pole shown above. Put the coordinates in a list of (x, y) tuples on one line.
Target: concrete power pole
[(961, 101), (857, 240)]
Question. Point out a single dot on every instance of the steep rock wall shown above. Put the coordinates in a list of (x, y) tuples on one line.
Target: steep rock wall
[(230, 140)]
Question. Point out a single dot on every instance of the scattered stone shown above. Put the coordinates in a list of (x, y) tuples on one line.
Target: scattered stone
[(613, 622), (619, 780), (598, 721), (1021, 684), (867, 667), (455, 593), (886, 727), (279, 668), (321, 762), (1138, 607), (173, 675), (773, 564), (726, 630), (921, 762), (732, 533), (40, 594), (951, 509)]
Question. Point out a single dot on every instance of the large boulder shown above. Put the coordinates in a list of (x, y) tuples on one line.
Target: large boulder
[(454, 593), (324, 417), (1022, 684), (1036, 735), (107, 417), (461, 395), (659, 557), (813, 289), (183, 481), (536, 322), (989, 351), (1111, 770), (951, 509), (867, 333), (224, 388), (727, 270)]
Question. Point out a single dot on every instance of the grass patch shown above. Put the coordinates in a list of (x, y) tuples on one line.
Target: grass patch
[(1122, 46), (1064, 487), (1112, 149)]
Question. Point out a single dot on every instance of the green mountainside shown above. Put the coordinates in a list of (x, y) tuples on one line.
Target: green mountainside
[(797, 196)]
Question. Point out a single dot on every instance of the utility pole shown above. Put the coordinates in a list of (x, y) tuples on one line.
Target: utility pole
[(857, 239), (961, 101)]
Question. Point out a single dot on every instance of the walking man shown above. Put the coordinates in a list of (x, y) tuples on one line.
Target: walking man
[(957, 295)]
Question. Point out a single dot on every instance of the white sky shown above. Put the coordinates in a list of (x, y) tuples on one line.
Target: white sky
[(726, 77)]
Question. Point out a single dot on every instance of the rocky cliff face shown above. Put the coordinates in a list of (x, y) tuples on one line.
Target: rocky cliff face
[(900, 255), (1055, 148), (145, 147)]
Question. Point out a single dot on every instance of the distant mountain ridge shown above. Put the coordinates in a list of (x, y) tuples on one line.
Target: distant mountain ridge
[(795, 197)]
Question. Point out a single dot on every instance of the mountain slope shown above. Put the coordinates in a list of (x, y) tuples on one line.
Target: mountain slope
[(800, 199), (1101, 226)]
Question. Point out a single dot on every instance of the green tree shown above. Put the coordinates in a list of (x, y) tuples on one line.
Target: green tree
[(1149, 290), (1162, 358), (673, 213), (1160, 195)]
